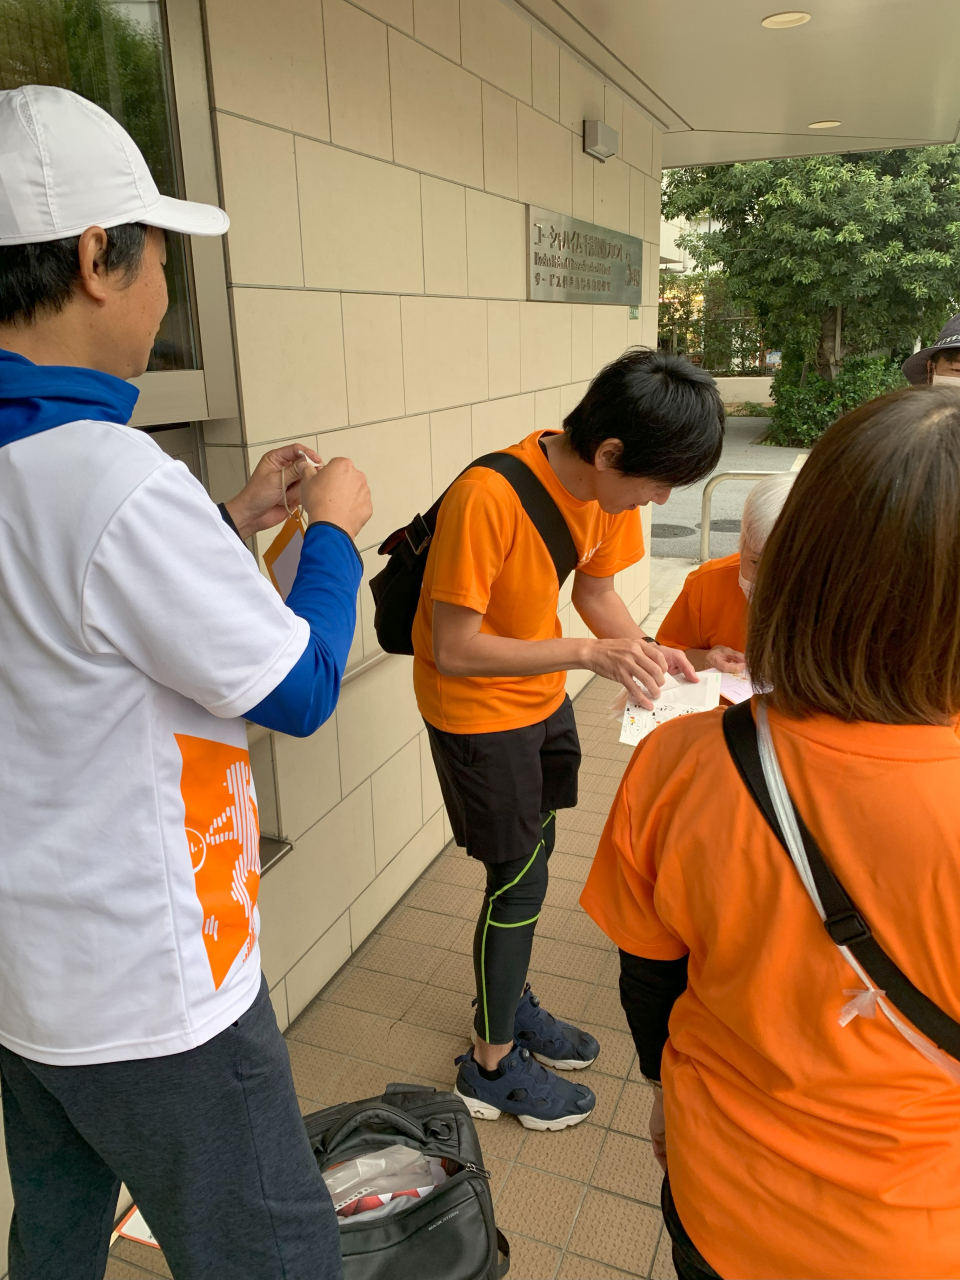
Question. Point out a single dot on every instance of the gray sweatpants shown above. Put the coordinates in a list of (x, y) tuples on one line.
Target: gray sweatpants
[(210, 1143)]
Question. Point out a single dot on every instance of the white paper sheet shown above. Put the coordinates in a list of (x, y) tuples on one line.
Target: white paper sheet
[(735, 688), (677, 698)]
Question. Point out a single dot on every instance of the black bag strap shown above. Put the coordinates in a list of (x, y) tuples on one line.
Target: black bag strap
[(503, 1255), (543, 512), (541, 509), (844, 923)]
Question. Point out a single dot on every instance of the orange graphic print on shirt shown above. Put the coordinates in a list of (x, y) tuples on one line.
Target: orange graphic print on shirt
[(223, 834)]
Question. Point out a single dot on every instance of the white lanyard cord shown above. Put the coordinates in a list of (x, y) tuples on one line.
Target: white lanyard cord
[(864, 1002)]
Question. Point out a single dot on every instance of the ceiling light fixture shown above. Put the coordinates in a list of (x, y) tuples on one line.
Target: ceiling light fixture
[(823, 124), (791, 18)]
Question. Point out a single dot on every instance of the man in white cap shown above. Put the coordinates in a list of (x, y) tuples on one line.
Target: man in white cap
[(137, 1038)]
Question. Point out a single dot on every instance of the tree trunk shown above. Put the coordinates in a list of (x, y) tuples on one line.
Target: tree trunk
[(830, 354)]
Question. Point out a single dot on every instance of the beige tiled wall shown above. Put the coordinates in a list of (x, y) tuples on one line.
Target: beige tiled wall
[(375, 158)]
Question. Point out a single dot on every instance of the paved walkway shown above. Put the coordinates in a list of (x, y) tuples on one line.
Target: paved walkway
[(676, 525), (582, 1204)]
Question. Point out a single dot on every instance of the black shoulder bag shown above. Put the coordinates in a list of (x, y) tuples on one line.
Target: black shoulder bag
[(844, 923), (396, 588)]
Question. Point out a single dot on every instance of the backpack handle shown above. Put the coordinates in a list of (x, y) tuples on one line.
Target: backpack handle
[(363, 1115)]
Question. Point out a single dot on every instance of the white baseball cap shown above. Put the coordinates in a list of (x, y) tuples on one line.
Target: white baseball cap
[(66, 165)]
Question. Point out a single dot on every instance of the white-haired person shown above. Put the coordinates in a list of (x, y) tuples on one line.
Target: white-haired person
[(708, 620)]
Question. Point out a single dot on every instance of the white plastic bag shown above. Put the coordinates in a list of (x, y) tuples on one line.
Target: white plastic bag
[(383, 1182)]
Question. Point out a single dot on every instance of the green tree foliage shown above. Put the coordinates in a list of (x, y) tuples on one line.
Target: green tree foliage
[(699, 319), (805, 403), (839, 257), (98, 51)]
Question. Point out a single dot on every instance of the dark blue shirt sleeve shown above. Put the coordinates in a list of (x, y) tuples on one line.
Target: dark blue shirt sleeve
[(324, 592)]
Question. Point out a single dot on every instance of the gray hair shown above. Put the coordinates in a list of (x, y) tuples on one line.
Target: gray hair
[(764, 503)]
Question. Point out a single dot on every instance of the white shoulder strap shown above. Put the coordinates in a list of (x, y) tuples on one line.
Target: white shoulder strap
[(865, 1001)]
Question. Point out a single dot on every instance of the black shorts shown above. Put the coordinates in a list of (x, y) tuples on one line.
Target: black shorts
[(496, 785)]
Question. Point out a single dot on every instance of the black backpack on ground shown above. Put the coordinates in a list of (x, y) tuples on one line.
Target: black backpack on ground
[(449, 1234), (396, 588)]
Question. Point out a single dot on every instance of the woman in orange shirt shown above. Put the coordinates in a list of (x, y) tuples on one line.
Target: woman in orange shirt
[(797, 1146), (708, 620)]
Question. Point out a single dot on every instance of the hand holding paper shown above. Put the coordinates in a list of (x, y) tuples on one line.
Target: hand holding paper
[(677, 698)]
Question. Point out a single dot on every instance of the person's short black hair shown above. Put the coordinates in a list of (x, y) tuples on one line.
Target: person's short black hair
[(666, 411), (41, 277)]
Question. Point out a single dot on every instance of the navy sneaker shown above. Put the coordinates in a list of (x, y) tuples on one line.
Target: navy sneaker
[(538, 1098), (551, 1041)]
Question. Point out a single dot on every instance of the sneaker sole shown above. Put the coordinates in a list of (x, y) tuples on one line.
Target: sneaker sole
[(486, 1111), (565, 1064)]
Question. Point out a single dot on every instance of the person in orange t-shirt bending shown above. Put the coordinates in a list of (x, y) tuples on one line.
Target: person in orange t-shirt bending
[(797, 1144), (489, 672), (708, 619)]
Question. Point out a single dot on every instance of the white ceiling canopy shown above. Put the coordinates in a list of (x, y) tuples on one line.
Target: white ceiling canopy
[(724, 87)]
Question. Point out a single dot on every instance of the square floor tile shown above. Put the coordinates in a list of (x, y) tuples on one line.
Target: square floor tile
[(633, 1110), (628, 1167), (502, 1138), (412, 960), (572, 926), (356, 1080), (421, 926), (371, 992), (420, 1051), (595, 766), (571, 1153), (442, 1010), (574, 1268), (143, 1256), (597, 799), (609, 975), (457, 868), (587, 823), (462, 941), (616, 1050), (604, 1008), (564, 997), (531, 1260), (578, 844), (313, 1070), (568, 866), (663, 1268), (118, 1269), (616, 1231), (563, 893), (538, 1205), (615, 752), (607, 1089), (498, 1170), (446, 899), (568, 960), (331, 1026), (456, 974)]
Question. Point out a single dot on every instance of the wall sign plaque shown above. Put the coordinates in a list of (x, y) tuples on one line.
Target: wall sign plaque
[(573, 261)]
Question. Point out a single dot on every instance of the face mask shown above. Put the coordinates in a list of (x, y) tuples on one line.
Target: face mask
[(745, 586), (952, 378)]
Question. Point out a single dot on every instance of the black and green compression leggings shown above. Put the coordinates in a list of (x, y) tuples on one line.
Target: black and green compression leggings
[(504, 936)]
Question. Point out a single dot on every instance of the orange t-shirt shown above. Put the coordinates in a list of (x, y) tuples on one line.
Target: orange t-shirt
[(797, 1147), (487, 555), (711, 609)]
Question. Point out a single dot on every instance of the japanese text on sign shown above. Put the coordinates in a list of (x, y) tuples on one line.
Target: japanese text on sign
[(573, 261)]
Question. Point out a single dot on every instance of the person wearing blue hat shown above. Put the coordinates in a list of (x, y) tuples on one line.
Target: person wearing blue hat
[(138, 1043)]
